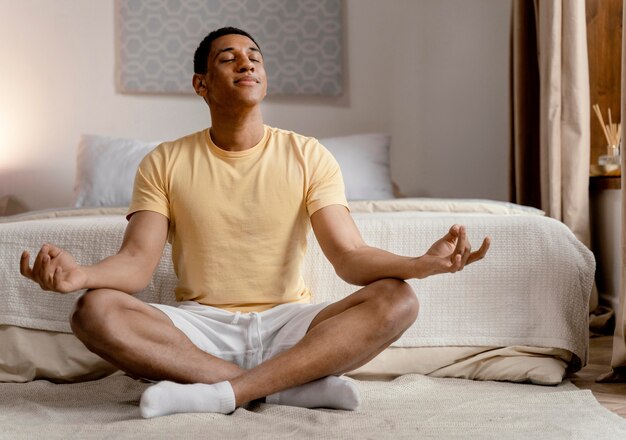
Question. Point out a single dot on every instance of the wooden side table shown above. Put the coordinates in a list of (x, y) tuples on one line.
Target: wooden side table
[(605, 197), (598, 183)]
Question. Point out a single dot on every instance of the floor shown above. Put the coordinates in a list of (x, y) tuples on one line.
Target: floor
[(610, 395)]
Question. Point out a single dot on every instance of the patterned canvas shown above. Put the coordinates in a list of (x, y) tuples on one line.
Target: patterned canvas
[(300, 40)]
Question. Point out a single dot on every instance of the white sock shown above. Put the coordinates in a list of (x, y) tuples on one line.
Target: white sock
[(170, 398), (328, 392)]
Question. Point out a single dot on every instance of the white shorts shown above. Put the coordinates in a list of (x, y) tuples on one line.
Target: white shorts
[(246, 339)]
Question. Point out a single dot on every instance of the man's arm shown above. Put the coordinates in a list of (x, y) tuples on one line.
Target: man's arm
[(129, 270), (360, 264)]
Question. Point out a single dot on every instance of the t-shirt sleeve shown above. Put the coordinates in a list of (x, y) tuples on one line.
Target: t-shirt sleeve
[(326, 185), (149, 191)]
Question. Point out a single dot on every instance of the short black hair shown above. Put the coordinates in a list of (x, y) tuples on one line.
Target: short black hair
[(201, 56)]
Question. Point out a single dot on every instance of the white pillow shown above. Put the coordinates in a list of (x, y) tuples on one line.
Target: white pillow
[(107, 165), (106, 170), (364, 163)]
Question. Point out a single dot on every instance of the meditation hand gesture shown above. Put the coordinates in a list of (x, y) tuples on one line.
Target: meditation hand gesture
[(54, 269), (450, 253)]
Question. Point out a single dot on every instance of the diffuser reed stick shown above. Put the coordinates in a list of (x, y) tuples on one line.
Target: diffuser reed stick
[(612, 131)]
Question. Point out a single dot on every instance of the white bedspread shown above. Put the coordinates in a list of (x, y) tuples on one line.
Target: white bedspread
[(532, 289)]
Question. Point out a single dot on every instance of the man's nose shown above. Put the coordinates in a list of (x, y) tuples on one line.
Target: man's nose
[(245, 66)]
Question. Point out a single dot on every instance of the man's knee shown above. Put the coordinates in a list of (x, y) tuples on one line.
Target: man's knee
[(397, 303), (92, 312)]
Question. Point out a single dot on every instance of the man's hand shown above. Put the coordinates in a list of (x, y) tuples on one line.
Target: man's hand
[(450, 253), (54, 269)]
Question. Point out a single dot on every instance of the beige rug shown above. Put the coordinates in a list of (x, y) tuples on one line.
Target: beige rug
[(411, 406)]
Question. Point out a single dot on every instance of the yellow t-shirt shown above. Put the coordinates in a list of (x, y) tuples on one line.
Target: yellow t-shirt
[(239, 219)]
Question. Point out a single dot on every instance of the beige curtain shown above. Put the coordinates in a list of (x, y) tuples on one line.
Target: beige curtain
[(618, 360), (524, 168), (551, 111), (550, 116), (564, 103)]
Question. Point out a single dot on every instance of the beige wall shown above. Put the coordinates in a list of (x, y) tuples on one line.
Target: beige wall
[(432, 73)]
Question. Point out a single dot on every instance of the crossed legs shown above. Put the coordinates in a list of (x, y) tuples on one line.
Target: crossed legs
[(143, 342)]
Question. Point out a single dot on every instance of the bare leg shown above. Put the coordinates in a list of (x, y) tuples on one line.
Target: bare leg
[(342, 337), (142, 341)]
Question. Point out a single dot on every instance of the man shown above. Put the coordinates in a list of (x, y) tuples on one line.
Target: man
[(236, 201)]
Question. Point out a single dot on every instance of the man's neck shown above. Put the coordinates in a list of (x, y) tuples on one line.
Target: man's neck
[(236, 132)]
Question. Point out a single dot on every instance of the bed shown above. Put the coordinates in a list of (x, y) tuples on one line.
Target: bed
[(519, 315)]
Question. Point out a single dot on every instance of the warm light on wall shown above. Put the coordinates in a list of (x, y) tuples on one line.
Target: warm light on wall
[(3, 141), (8, 151)]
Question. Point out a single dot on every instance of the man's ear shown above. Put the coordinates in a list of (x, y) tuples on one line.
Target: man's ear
[(199, 84)]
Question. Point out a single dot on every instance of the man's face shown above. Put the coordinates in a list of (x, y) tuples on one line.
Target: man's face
[(235, 73)]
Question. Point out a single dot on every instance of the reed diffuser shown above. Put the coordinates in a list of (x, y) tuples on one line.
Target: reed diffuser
[(613, 133)]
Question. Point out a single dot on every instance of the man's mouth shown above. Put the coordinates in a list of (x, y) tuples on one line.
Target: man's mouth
[(247, 80)]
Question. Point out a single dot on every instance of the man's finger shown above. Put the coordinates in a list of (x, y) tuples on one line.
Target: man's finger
[(38, 259), (457, 264), (481, 252), (460, 242), (453, 233), (54, 251), (467, 253), (44, 272), (25, 265)]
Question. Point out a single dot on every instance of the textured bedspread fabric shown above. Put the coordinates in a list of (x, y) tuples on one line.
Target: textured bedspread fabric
[(89, 239), (532, 289), (410, 407)]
